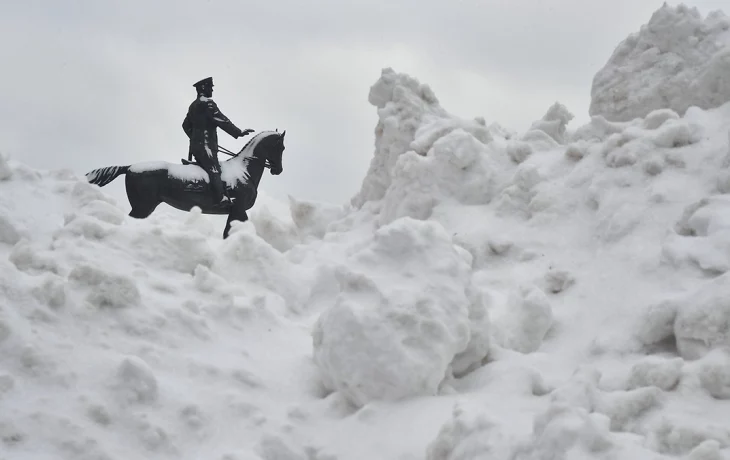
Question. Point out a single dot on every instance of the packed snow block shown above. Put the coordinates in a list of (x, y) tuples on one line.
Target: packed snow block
[(505, 376), (554, 122), (515, 197), (456, 168), (386, 337), (9, 234), (702, 236), (657, 118), (433, 129), (518, 151), (674, 133), (577, 150), (557, 280), (135, 381), (28, 258), (676, 61), (598, 129), (539, 140), (107, 290), (468, 437), (626, 408), (51, 291), (479, 333), (714, 373), (673, 435), (657, 372), (274, 447), (699, 321), (567, 432), (521, 323)]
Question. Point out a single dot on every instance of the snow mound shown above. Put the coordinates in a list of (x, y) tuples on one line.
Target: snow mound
[(554, 122), (701, 237), (698, 321), (424, 156), (522, 321), (675, 61), (387, 336)]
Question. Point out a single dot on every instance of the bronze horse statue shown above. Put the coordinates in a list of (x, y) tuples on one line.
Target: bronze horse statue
[(184, 186)]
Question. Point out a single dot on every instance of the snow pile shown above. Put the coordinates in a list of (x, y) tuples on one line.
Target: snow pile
[(406, 316), (423, 155), (547, 294), (676, 61), (699, 321)]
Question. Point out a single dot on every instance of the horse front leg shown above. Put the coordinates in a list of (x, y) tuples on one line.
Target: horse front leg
[(236, 213)]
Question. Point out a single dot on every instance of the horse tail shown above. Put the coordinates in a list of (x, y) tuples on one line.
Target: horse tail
[(103, 176)]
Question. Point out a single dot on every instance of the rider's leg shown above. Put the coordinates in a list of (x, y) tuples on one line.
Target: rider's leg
[(214, 173)]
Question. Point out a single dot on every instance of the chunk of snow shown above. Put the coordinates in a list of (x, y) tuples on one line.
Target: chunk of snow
[(521, 324), (657, 372), (676, 61), (136, 382), (385, 339), (554, 122)]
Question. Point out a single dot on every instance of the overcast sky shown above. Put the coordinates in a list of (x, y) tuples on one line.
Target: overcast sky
[(91, 83)]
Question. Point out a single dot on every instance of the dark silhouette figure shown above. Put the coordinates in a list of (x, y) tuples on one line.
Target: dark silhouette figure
[(184, 186), (200, 125)]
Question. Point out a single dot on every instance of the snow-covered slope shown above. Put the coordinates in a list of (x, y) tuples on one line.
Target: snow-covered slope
[(553, 294), (676, 61)]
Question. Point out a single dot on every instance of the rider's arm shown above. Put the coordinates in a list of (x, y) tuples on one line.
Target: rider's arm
[(222, 121)]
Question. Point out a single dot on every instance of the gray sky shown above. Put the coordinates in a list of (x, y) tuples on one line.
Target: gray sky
[(92, 83)]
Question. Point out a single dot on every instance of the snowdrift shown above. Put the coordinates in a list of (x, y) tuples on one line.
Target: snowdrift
[(556, 293)]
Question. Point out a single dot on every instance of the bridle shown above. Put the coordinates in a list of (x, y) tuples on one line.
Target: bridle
[(267, 163)]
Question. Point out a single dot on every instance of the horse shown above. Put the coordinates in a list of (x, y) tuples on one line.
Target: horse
[(187, 185)]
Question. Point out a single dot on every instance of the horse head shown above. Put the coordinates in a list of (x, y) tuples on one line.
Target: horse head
[(274, 154), (267, 147)]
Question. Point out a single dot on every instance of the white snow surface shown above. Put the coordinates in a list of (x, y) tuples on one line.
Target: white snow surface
[(677, 60), (553, 294)]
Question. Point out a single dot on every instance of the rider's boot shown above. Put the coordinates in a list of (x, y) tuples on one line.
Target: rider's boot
[(219, 191)]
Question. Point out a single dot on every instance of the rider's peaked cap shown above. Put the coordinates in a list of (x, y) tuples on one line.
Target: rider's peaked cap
[(204, 82)]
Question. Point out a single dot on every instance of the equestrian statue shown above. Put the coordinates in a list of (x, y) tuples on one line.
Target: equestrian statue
[(229, 188)]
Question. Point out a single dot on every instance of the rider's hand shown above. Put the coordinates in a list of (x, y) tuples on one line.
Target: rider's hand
[(246, 132)]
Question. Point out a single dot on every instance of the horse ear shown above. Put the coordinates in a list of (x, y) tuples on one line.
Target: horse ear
[(282, 134)]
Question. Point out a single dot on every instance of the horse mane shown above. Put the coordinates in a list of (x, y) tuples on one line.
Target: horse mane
[(253, 142)]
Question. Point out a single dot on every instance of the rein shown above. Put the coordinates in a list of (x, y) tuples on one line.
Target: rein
[(229, 153)]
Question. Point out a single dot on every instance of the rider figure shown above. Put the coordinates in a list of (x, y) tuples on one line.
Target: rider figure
[(200, 126)]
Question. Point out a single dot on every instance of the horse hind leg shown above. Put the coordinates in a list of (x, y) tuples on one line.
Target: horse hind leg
[(142, 212), (142, 199)]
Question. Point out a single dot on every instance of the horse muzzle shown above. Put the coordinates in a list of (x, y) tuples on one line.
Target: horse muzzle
[(276, 171)]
